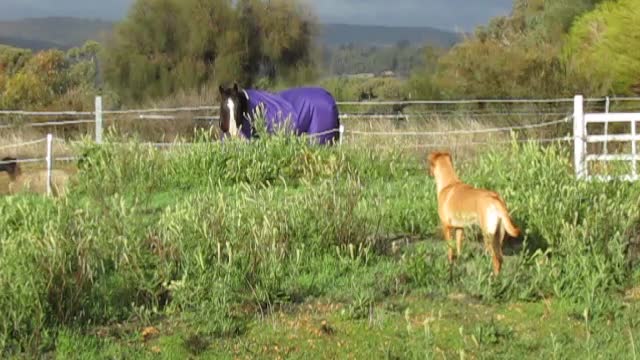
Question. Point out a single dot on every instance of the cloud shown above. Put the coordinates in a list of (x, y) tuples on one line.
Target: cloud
[(445, 14), (111, 9)]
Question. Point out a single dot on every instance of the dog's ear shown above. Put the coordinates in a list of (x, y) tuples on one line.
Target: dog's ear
[(448, 156), (432, 156)]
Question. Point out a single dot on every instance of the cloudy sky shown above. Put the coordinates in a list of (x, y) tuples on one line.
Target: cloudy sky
[(445, 14)]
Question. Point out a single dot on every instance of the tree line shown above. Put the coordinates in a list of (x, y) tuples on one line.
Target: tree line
[(543, 49), (401, 58), (48, 79)]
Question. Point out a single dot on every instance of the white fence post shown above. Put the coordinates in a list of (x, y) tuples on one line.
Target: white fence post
[(634, 149), (606, 126), (341, 133), (49, 161), (98, 110), (579, 136)]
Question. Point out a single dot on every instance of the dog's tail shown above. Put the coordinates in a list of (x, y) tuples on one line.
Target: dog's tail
[(508, 224)]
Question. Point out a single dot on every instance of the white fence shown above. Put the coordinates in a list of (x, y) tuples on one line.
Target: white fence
[(99, 116), (580, 137), (48, 159)]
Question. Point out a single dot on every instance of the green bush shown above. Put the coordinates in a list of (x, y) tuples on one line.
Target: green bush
[(520, 55), (48, 79), (599, 47)]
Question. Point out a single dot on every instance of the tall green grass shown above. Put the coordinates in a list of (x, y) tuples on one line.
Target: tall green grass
[(219, 233)]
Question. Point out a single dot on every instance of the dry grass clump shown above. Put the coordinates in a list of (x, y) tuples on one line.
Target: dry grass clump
[(16, 178), (461, 136)]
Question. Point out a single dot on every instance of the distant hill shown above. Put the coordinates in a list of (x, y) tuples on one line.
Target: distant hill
[(52, 32), (342, 34), (67, 32), (27, 43)]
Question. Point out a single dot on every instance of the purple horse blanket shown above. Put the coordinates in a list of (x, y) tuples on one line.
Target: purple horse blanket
[(309, 110)]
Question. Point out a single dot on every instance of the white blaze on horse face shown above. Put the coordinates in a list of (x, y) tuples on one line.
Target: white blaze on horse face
[(233, 127)]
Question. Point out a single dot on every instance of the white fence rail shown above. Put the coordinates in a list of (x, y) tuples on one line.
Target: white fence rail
[(48, 159), (583, 138)]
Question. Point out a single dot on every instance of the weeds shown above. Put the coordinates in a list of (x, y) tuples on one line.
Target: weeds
[(218, 233)]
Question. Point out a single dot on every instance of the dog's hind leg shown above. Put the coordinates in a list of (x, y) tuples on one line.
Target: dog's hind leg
[(496, 249), (451, 255), (447, 237), (502, 232), (493, 230), (459, 237)]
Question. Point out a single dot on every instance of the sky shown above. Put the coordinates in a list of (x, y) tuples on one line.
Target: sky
[(461, 15), (444, 14)]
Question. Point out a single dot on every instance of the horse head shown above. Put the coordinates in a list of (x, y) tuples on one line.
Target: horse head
[(234, 105)]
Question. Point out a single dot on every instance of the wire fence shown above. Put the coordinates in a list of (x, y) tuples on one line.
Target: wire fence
[(22, 144), (435, 108), (363, 116), (546, 112), (362, 104), (452, 132), (341, 130), (476, 143), (158, 122)]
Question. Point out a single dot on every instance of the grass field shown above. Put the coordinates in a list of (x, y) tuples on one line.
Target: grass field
[(280, 249)]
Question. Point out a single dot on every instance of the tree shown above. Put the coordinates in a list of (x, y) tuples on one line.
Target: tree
[(280, 39), (25, 90), (513, 56), (13, 59), (166, 45), (146, 48), (48, 79), (421, 82), (491, 70), (38, 82), (604, 47)]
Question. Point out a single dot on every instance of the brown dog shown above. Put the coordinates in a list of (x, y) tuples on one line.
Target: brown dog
[(461, 205)]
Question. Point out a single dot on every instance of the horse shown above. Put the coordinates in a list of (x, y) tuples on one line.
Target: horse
[(302, 110)]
